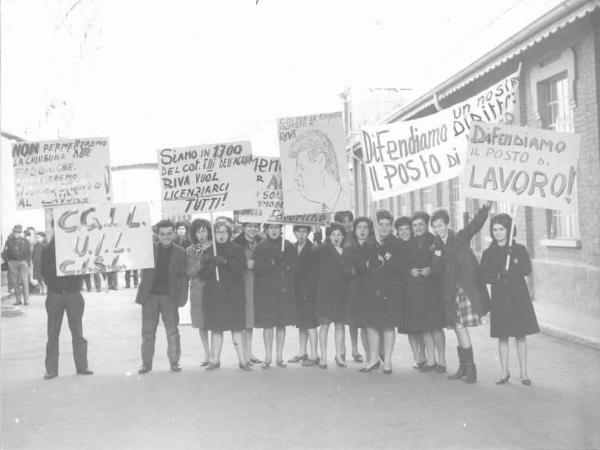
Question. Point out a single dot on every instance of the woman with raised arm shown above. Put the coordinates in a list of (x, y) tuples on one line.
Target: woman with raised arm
[(274, 296), (197, 257), (465, 297), (512, 314), (224, 299)]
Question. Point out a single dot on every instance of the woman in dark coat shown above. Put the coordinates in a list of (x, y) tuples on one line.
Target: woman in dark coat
[(465, 297), (248, 240), (382, 302), (197, 257), (332, 292), (183, 236), (274, 296), (424, 312), (512, 313), (305, 288), (224, 301)]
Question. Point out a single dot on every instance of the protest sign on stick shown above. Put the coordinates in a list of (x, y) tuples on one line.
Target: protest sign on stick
[(61, 172), (313, 162), (269, 194), (204, 178), (407, 156), (527, 166), (103, 238)]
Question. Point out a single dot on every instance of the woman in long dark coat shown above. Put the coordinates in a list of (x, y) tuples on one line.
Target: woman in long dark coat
[(197, 258), (512, 314), (332, 292), (465, 297), (424, 312), (382, 302), (224, 301), (305, 288), (274, 296), (248, 240)]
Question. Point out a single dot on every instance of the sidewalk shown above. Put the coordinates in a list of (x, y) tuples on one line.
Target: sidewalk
[(568, 324)]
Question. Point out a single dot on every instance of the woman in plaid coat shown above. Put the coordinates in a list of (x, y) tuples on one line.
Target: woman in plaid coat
[(465, 297)]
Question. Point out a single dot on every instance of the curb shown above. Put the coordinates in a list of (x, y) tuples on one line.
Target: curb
[(560, 333)]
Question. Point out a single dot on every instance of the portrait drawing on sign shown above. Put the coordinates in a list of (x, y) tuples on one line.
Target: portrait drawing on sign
[(317, 173)]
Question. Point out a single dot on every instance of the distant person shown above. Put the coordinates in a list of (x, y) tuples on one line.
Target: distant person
[(64, 294), (183, 236), (97, 277), (128, 275), (317, 175), (197, 258), (465, 297), (162, 291), (36, 258), (31, 238), (17, 252), (512, 314)]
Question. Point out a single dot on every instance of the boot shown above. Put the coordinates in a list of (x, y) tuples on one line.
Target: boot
[(461, 368), (470, 369)]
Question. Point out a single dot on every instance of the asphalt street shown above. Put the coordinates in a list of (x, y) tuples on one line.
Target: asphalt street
[(282, 408)]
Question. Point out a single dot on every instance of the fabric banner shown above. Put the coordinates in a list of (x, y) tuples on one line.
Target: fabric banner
[(205, 178), (522, 165), (103, 238), (314, 165), (61, 172), (407, 156)]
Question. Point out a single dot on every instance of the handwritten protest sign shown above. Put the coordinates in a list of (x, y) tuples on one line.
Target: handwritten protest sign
[(313, 163), (206, 178), (527, 166), (269, 193), (406, 156), (70, 171), (103, 238)]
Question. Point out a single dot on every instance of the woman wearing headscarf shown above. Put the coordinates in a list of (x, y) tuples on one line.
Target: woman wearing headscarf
[(197, 257), (332, 292), (274, 296), (224, 300), (424, 308), (465, 297), (512, 314)]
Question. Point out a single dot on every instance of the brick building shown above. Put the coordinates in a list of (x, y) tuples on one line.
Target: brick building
[(559, 89)]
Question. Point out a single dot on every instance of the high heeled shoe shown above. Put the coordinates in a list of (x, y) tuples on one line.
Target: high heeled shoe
[(503, 380), (340, 363), (265, 365), (357, 357), (204, 363), (369, 369), (387, 371), (281, 363), (246, 367), (525, 381), (298, 359), (213, 366)]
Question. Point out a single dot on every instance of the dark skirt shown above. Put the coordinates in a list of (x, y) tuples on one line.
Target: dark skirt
[(307, 314), (424, 309), (196, 307), (380, 310), (353, 305), (274, 304), (510, 318), (331, 304), (224, 310)]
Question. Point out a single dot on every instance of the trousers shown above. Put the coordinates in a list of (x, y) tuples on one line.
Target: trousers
[(155, 306), (18, 273), (56, 305)]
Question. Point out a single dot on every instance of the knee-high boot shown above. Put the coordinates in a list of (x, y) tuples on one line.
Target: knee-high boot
[(470, 369), (461, 368)]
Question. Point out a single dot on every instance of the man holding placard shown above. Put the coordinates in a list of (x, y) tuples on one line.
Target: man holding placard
[(163, 289)]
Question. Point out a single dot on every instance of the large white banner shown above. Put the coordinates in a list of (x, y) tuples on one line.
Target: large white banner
[(103, 238), (61, 172), (527, 166), (205, 178), (406, 156), (313, 163)]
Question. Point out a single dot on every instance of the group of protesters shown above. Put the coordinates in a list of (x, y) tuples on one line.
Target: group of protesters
[(382, 278)]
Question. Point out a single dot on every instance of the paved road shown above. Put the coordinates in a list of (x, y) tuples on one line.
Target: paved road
[(281, 408)]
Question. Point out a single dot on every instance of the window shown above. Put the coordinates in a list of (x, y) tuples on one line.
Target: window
[(556, 114), (457, 207), (427, 199)]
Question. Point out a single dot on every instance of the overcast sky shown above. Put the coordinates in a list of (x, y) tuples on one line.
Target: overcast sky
[(156, 74)]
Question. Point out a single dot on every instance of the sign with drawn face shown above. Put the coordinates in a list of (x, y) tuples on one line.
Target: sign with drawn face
[(206, 178), (313, 163), (61, 172), (103, 238)]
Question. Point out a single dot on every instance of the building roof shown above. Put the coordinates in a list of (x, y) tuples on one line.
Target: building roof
[(548, 24)]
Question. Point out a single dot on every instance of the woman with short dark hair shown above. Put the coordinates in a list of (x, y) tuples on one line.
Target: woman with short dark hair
[(182, 237), (465, 297), (274, 296), (512, 314), (197, 257), (224, 300)]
